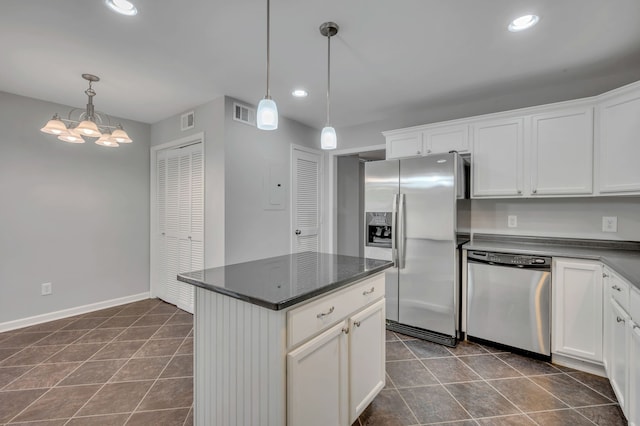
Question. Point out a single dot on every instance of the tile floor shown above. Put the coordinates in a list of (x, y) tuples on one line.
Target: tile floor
[(133, 365)]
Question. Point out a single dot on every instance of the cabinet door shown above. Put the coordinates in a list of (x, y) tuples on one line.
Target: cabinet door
[(562, 152), (404, 145), (633, 410), (577, 309), (497, 160), (445, 139), (366, 357), (619, 363), (317, 380), (618, 144)]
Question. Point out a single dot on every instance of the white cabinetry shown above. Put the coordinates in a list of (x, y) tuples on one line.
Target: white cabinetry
[(366, 358), (617, 142), (634, 360), (405, 145), (443, 139), (617, 327), (498, 157), (333, 377), (317, 381), (577, 309), (562, 152)]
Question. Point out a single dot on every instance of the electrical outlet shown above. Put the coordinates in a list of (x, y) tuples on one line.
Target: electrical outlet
[(512, 221), (609, 223), (46, 289)]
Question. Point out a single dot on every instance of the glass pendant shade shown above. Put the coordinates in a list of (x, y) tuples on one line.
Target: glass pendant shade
[(107, 140), (88, 128), (54, 127), (120, 136), (71, 136), (267, 115), (328, 138)]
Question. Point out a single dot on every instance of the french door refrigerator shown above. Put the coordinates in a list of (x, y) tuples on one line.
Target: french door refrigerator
[(412, 217)]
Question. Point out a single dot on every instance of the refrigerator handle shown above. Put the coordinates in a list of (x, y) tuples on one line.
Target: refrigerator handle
[(401, 232), (394, 236)]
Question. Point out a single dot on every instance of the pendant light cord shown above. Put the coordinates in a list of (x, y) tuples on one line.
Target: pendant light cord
[(268, 47), (328, 77)]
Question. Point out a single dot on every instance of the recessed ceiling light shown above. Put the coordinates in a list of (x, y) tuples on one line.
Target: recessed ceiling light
[(300, 93), (523, 22), (124, 7)]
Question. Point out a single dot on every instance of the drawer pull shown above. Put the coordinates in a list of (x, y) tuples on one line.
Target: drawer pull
[(604, 275), (364, 293), (620, 319), (356, 323), (615, 287), (345, 330), (324, 314)]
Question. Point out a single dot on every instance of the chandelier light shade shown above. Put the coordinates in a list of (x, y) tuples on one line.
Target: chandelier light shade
[(88, 124), (267, 114), (328, 137)]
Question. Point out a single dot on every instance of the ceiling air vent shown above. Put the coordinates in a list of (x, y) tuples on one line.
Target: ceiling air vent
[(244, 114), (187, 121)]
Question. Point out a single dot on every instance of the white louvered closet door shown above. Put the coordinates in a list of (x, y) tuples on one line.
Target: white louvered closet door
[(306, 201), (180, 207)]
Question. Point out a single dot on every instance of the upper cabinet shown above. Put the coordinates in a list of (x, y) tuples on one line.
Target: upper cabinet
[(498, 158), (447, 138), (618, 142), (562, 152), (404, 145)]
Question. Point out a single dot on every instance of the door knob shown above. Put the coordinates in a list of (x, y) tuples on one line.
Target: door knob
[(298, 232)]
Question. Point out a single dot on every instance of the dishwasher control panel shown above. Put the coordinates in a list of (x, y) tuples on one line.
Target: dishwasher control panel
[(509, 259)]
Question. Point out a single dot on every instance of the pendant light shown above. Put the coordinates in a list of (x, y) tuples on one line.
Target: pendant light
[(328, 137), (267, 115)]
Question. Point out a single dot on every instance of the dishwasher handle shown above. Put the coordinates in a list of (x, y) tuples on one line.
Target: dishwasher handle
[(509, 260)]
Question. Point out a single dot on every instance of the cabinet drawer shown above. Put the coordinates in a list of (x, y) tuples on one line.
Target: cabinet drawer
[(319, 315), (619, 290)]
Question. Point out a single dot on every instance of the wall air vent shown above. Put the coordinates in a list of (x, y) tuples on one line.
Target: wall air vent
[(244, 114), (187, 121)]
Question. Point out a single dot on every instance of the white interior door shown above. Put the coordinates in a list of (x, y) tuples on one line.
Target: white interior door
[(306, 191), (180, 218)]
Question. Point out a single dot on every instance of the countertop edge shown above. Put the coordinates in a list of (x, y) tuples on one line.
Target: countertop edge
[(563, 252), (288, 302)]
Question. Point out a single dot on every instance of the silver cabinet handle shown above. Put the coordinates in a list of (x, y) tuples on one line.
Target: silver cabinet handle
[(615, 287), (428, 151), (356, 323), (620, 319), (519, 191), (535, 191), (298, 232), (605, 275), (418, 152), (345, 330), (163, 234), (364, 293), (189, 237), (324, 314)]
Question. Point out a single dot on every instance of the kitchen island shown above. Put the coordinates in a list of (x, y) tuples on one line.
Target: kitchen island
[(291, 340)]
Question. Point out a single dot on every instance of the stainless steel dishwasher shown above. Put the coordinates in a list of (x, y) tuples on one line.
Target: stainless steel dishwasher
[(509, 300)]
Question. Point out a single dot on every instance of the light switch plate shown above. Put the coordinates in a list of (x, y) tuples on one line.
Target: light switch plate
[(609, 223), (512, 221), (46, 289)]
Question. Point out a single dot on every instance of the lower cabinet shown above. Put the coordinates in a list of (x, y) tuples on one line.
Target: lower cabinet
[(618, 365), (577, 309), (634, 374), (333, 377)]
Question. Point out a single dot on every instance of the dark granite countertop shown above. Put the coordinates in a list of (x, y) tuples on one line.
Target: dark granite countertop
[(279, 282), (621, 256)]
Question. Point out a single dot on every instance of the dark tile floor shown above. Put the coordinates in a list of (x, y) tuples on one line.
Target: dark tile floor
[(477, 385), (133, 365)]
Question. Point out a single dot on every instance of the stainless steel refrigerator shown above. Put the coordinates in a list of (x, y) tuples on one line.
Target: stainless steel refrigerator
[(414, 209)]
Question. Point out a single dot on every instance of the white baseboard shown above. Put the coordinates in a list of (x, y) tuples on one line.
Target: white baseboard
[(578, 364), (65, 313)]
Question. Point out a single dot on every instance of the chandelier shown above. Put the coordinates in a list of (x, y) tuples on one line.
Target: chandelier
[(89, 124)]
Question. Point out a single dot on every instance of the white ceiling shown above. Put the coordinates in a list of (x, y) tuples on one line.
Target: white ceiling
[(389, 54)]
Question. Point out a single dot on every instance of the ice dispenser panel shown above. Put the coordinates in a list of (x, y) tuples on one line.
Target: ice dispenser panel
[(379, 229)]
